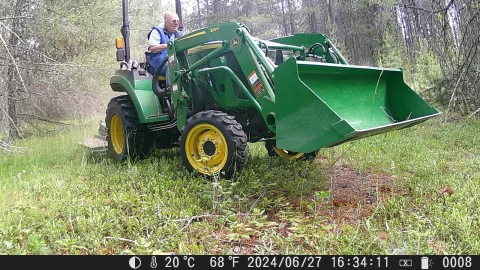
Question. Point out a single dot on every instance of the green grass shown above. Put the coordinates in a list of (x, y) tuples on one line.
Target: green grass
[(58, 199)]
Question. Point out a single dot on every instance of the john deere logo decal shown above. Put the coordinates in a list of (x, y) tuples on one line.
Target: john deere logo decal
[(235, 42)]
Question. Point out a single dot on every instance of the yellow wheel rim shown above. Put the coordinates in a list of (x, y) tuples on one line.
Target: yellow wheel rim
[(286, 154), (206, 149), (116, 134)]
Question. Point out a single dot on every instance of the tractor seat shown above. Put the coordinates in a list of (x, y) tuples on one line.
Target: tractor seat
[(159, 86)]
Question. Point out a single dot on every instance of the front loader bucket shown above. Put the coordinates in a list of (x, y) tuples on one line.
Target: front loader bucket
[(320, 105)]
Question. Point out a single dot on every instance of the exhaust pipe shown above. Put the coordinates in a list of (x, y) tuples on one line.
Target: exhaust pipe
[(178, 10), (125, 30)]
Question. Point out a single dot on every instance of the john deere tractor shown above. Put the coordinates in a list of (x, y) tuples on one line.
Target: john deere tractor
[(296, 94)]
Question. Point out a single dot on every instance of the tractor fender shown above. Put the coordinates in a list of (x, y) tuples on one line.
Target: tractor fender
[(146, 103)]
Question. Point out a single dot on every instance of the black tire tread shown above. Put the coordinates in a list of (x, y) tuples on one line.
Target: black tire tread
[(139, 139), (271, 152), (234, 132)]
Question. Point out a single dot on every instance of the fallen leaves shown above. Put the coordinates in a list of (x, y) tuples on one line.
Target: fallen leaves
[(447, 189)]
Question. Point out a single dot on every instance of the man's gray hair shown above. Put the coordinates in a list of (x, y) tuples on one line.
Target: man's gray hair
[(169, 13)]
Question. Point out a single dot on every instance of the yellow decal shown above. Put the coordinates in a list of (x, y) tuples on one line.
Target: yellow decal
[(195, 50), (214, 29), (193, 35)]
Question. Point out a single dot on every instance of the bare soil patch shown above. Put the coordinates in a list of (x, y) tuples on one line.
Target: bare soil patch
[(354, 194)]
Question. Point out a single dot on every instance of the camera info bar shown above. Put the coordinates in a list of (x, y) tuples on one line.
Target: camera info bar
[(401, 262)]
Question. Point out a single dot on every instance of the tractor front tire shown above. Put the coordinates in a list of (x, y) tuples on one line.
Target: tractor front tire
[(213, 143), (274, 151), (126, 136)]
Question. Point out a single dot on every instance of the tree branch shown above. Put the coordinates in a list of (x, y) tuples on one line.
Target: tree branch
[(429, 10), (474, 113), (14, 62), (121, 239), (197, 218), (10, 148), (15, 17), (43, 119), (11, 120), (21, 40)]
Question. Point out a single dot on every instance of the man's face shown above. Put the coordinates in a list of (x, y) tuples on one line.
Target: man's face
[(172, 23)]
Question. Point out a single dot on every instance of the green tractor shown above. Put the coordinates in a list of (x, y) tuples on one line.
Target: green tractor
[(296, 94)]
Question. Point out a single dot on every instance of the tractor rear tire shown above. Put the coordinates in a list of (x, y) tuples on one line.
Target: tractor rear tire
[(126, 136), (274, 151), (213, 143)]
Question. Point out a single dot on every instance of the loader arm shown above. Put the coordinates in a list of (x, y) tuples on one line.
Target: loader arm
[(255, 67)]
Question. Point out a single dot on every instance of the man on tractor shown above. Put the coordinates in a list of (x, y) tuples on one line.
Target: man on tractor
[(157, 43)]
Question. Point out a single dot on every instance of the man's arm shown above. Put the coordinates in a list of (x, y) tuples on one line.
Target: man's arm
[(156, 48), (154, 42)]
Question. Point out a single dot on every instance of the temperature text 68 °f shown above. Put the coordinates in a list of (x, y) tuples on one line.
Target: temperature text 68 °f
[(224, 261)]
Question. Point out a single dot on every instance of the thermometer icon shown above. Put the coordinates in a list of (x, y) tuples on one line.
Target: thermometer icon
[(153, 264)]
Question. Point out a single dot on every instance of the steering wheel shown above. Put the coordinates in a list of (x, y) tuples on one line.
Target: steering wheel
[(311, 50), (313, 47), (266, 47)]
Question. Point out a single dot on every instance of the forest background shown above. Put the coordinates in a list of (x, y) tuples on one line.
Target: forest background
[(56, 57)]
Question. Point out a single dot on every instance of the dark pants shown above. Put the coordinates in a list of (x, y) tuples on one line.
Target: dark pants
[(164, 72)]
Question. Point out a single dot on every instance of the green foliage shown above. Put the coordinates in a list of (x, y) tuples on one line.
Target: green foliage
[(428, 69), (420, 73), (70, 33), (68, 201)]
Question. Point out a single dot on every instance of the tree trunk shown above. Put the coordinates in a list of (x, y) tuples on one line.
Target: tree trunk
[(199, 15), (330, 12), (284, 20), (311, 18), (12, 131), (217, 10), (12, 74), (291, 11), (410, 34), (416, 16), (246, 8)]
